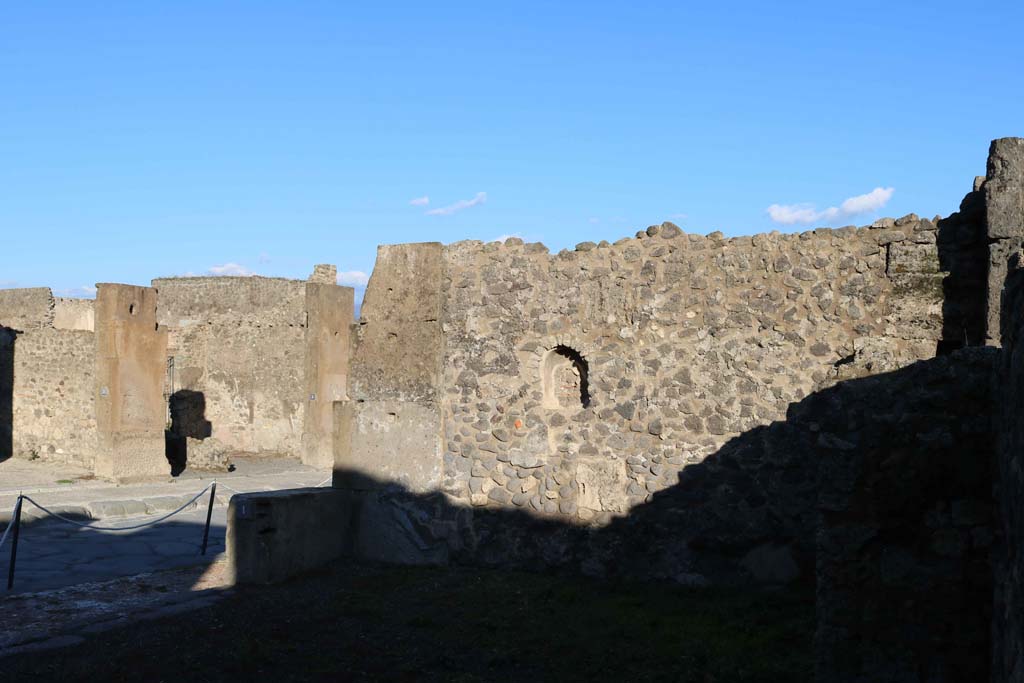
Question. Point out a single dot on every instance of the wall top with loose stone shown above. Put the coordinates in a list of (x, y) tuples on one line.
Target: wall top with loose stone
[(27, 308), (265, 300)]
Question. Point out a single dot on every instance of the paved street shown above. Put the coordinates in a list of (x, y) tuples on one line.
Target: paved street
[(53, 554)]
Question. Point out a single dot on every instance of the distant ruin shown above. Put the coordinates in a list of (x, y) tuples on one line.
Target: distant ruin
[(263, 357), (834, 407)]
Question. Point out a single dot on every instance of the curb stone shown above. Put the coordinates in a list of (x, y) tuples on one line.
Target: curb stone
[(104, 509)]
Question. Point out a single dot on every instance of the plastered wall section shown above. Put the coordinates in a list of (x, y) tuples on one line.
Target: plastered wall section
[(390, 429), (688, 340), (74, 314), (329, 310), (130, 408), (242, 343)]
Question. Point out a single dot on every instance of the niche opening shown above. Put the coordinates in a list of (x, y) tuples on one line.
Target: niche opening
[(564, 376)]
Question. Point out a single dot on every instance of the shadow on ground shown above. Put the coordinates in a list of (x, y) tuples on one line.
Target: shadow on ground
[(381, 623)]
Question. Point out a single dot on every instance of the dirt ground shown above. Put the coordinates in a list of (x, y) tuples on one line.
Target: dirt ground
[(369, 623)]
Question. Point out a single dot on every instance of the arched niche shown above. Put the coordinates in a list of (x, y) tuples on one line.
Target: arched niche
[(565, 379)]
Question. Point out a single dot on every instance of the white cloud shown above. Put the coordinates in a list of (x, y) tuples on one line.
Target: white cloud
[(8, 284), (679, 216), (593, 221), (788, 214), (862, 203), (420, 201), (460, 205), (264, 257), (353, 278), (233, 269), (502, 238)]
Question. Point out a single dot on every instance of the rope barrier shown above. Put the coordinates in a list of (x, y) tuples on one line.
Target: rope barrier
[(88, 525), (119, 528), (9, 524), (225, 486), (16, 515)]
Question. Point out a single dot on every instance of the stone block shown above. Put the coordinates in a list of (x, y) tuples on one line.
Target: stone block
[(397, 360), (276, 535), (603, 484), (382, 443)]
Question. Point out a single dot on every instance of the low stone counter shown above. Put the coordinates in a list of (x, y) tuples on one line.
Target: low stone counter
[(275, 535)]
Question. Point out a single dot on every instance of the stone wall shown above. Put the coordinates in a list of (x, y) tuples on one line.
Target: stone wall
[(388, 435), (264, 358), (1008, 624), (53, 412), (240, 343), (252, 379), (26, 309), (1007, 218), (263, 300), (1004, 202), (74, 314), (579, 385), (904, 579), (633, 381), (47, 403)]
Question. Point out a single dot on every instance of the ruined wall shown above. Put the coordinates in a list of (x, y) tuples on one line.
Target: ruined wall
[(26, 309), (74, 314), (46, 382), (1004, 201), (1008, 622), (262, 358), (904, 576), (240, 342), (267, 300), (54, 405), (579, 387), (686, 342), (388, 434), (1007, 218)]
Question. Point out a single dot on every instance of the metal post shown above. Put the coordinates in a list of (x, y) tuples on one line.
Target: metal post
[(14, 544), (209, 513)]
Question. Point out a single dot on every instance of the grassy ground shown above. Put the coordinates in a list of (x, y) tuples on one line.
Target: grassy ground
[(428, 624)]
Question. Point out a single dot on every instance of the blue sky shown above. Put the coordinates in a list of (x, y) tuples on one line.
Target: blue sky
[(145, 139)]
